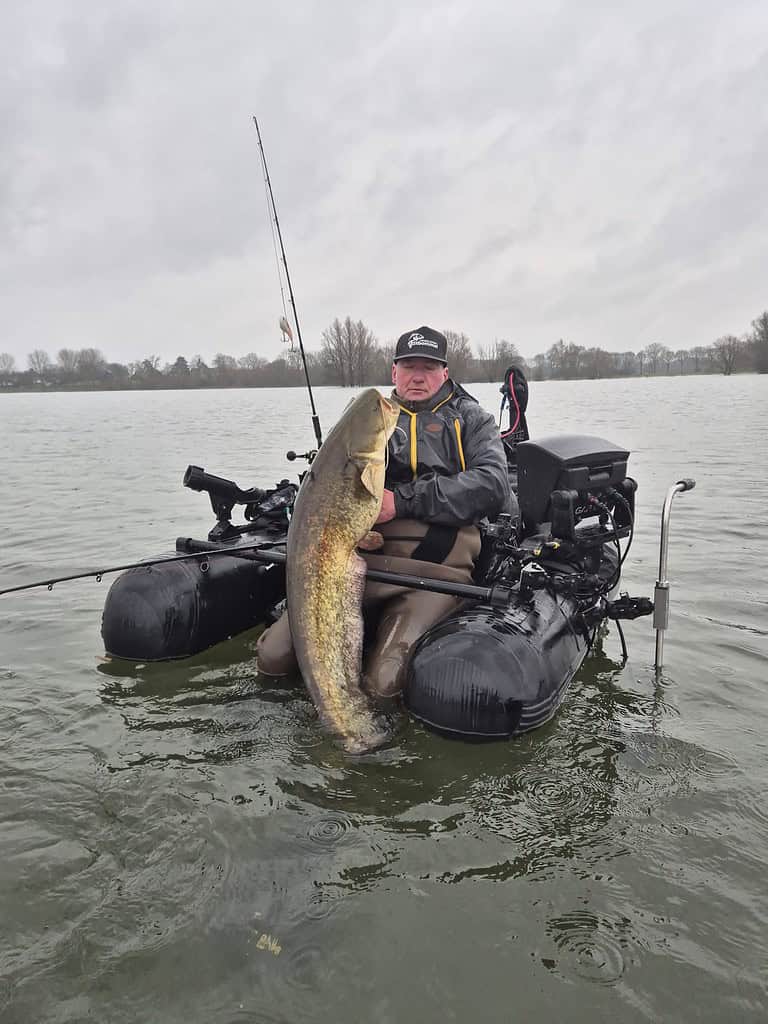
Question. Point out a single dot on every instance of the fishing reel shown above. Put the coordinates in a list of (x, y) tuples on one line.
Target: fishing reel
[(272, 505)]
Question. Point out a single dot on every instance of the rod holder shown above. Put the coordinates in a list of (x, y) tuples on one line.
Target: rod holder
[(661, 591)]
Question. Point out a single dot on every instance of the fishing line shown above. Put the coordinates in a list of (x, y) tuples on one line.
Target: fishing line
[(274, 247), (315, 417), (204, 556)]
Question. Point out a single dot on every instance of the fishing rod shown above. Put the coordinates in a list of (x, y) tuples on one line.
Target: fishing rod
[(273, 212), (145, 564), (498, 594)]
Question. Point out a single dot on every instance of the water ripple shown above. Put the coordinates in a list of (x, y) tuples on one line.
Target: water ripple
[(592, 948), (330, 830)]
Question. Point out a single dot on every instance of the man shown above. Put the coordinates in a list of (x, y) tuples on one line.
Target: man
[(446, 471)]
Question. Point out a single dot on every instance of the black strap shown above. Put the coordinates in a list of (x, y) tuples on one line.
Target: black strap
[(436, 544)]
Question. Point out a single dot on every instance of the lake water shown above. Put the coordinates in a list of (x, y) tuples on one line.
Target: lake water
[(181, 842)]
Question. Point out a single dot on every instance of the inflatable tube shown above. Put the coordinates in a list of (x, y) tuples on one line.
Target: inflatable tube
[(174, 610), (485, 673)]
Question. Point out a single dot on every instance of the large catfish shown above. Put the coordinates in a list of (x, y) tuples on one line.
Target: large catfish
[(337, 505)]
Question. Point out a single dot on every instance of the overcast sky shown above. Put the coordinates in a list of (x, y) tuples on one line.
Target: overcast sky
[(585, 170)]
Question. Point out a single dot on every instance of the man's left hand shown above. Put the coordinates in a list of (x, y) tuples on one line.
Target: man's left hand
[(387, 507)]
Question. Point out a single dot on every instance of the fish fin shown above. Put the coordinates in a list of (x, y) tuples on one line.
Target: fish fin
[(372, 541), (368, 479)]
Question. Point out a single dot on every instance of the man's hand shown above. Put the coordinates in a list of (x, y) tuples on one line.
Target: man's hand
[(387, 507)]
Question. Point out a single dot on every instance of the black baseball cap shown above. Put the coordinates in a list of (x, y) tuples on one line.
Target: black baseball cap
[(423, 343)]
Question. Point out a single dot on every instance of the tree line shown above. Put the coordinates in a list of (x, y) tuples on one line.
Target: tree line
[(350, 355)]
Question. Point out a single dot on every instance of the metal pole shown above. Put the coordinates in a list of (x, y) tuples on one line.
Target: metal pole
[(661, 591), (315, 417)]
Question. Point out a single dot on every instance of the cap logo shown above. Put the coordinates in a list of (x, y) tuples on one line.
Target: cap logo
[(419, 339)]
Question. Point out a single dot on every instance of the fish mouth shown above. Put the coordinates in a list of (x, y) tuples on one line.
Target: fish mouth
[(389, 414), (387, 405)]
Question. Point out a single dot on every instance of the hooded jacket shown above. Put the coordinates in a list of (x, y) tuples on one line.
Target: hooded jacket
[(446, 460)]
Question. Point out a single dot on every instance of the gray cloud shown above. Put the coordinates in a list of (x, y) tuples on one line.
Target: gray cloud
[(587, 171)]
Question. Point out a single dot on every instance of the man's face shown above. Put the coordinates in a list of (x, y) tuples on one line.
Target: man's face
[(418, 379)]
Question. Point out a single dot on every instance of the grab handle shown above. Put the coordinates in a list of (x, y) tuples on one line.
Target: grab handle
[(661, 591)]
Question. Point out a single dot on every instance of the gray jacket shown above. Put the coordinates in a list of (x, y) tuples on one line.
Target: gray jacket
[(446, 460)]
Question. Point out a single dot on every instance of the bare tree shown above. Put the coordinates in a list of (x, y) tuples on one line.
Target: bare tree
[(540, 367), (39, 362), (556, 357), (698, 354), (759, 342), (652, 354), (495, 358), (627, 362), (460, 357), (91, 364), (573, 361), (148, 369), (224, 362), (67, 360), (597, 362), (251, 361), (7, 362), (726, 349), (348, 352)]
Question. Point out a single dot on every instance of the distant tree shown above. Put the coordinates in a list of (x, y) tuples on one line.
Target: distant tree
[(148, 370), (726, 350), (224, 362), (251, 361), (652, 354), (573, 361), (381, 364), (556, 357), (199, 373), (698, 354), (91, 364), (597, 362), (225, 369), (681, 355), (7, 362), (668, 357), (460, 357), (178, 368), (293, 358), (627, 363), (67, 360), (495, 358), (39, 362), (117, 374), (759, 342), (541, 367), (348, 352)]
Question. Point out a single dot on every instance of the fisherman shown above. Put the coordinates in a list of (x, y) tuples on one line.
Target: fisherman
[(446, 471)]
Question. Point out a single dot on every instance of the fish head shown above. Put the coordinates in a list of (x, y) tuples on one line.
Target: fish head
[(372, 419)]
